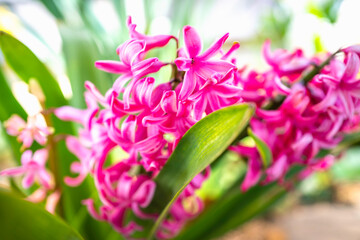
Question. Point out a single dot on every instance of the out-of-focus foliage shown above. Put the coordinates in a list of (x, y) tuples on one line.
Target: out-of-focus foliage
[(326, 9)]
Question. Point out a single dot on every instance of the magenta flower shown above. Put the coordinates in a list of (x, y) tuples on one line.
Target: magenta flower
[(33, 169), (285, 63), (261, 87), (34, 129), (171, 115), (131, 66), (199, 65), (343, 89), (217, 92), (119, 195)]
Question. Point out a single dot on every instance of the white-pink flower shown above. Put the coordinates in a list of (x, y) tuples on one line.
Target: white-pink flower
[(33, 169), (34, 129)]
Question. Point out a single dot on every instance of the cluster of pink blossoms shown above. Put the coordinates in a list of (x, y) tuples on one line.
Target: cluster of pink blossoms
[(33, 166), (146, 118)]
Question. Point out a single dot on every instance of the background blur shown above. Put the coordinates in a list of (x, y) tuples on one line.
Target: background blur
[(69, 35)]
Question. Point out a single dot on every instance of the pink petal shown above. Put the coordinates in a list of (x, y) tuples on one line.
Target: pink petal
[(37, 196), (44, 178), (131, 51), (52, 201), (278, 168), (145, 193), (253, 174), (207, 68), (67, 113), (14, 125), (200, 107), (169, 102), (26, 157), (41, 156), (214, 48), (184, 64), (112, 66), (189, 84), (13, 171), (267, 52), (233, 48), (353, 48), (192, 41), (352, 67), (89, 203), (28, 180)]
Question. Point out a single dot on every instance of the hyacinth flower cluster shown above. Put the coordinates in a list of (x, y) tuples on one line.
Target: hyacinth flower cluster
[(33, 165), (303, 105)]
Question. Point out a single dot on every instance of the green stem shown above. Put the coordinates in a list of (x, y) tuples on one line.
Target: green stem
[(317, 68)]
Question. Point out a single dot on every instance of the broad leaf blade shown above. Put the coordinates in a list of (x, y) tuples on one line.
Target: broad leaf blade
[(263, 148), (199, 147), (20, 219)]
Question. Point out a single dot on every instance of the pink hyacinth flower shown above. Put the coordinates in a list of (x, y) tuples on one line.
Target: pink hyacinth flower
[(118, 196), (33, 169), (285, 63), (343, 86), (199, 65), (34, 129), (217, 92)]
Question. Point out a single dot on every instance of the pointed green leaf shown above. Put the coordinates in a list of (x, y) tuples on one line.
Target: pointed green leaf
[(263, 148), (20, 219), (198, 148)]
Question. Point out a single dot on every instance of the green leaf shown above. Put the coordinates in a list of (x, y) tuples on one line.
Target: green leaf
[(263, 148), (27, 66), (198, 148), (20, 219), (54, 9)]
